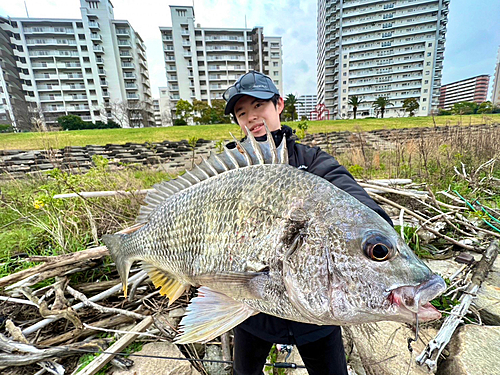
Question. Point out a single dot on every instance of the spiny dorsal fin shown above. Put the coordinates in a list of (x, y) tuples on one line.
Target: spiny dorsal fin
[(247, 153), (170, 287)]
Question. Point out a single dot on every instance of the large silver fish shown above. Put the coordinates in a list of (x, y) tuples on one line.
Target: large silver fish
[(257, 235)]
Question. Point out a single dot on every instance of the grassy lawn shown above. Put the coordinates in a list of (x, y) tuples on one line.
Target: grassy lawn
[(36, 141)]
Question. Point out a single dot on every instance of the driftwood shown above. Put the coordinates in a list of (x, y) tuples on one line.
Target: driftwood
[(110, 322), (117, 347), (32, 354), (431, 353), (98, 297), (56, 262)]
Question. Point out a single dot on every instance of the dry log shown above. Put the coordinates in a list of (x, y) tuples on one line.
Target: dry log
[(78, 306), (110, 322), (50, 366), (431, 353), (118, 346), (422, 219), (97, 286), (87, 302), (59, 261), (35, 355)]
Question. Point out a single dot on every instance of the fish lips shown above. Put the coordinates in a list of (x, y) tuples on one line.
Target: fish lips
[(414, 300)]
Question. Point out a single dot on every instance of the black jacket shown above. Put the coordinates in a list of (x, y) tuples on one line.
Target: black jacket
[(313, 160)]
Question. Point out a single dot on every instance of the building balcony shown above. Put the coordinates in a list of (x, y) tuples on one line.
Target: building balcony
[(48, 30), (98, 49), (75, 98), (50, 98), (124, 45), (122, 32), (128, 65), (129, 76), (132, 97), (99, 60), (103, 83), (130, 86), (101, 72), (96, 37), (93, 24)]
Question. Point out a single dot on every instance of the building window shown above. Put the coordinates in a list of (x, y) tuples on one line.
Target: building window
[(427, 73), (345, 65), (423, 108), (429, 44), (276, 82), (275, 64), (426, 82), (276, 73), (428, 54), (181, 12)]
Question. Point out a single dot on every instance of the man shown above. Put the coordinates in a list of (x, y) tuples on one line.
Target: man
[(252, 100)]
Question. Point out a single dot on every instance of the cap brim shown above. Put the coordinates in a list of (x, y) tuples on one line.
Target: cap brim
[(256, 94)]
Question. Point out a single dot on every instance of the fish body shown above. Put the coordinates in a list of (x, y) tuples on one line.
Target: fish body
[(274, 239)]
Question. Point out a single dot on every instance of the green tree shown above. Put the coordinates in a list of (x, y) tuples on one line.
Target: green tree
[(218, 107), (380, 104), (291, 103), (464, 108), (485, 107), (355, 101), (183, 110), (203, 110), (71, 122), (410, 105)]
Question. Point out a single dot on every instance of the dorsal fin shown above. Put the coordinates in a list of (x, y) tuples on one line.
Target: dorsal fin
[(247, 153)]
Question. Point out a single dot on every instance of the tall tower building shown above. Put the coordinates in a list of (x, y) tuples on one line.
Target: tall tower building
[(495, 97), (201, 63), (380, 48), (473, 89), (94, 67)]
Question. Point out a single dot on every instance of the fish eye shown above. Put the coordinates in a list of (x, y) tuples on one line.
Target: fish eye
[(378, 248)]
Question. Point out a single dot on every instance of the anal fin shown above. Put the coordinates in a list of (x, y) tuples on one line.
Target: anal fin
[(211, 314), (170, 287)]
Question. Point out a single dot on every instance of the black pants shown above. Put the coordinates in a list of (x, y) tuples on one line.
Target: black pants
[(322, 357)]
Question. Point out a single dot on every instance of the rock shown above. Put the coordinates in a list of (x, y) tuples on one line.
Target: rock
[(473, 350), (488, 297), (154, 366), (214, 352), (383, 348)]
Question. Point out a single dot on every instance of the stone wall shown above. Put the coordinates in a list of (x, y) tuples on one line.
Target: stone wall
[(178, 155)]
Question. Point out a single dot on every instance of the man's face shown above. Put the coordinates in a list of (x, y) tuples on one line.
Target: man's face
[(252, 112)]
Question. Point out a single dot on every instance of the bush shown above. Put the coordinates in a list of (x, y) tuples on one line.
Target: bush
[(6, 128), (180, 121), (73, 122), (443, 112)]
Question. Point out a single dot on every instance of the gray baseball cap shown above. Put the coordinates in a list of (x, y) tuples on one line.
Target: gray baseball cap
[(253, 84)]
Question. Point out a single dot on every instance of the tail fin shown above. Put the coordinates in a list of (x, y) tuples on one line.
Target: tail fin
[(123, 263)]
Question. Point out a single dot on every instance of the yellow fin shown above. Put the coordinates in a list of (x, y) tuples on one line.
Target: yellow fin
[(170, 287)]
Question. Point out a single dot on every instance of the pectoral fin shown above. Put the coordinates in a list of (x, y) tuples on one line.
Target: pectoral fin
[(211, 314), (170, 287)]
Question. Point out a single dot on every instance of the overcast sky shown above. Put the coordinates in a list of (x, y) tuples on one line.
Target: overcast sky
[(472, 38)]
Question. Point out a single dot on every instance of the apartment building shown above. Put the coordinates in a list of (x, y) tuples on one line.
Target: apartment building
[(306, 105), (94, 67), (495, 97), (202, 62), (11, 92), (380, 48), (473, 89)]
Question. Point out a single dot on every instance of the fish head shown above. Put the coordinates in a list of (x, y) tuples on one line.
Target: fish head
[(359, 270)]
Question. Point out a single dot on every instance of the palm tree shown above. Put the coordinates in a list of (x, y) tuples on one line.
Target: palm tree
[(380, 103), (355, 101), (290, 105)]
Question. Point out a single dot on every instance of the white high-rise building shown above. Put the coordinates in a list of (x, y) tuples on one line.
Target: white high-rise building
[(380, 48), (495, 97), (306, 107), (201, 63), (94, 67)]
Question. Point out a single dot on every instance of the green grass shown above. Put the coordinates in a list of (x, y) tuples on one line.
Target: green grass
[(61, 139)]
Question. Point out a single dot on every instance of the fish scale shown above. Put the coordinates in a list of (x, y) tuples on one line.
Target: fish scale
[(259, 236)]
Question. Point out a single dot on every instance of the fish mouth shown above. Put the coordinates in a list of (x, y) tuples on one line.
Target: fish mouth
[(414, 300)]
